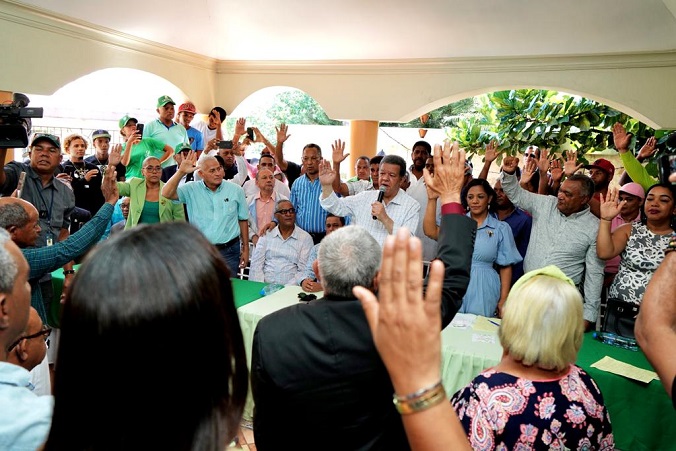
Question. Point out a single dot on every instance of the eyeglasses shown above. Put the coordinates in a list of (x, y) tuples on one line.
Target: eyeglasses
[(45, 331), (287, 211), (153, 168), (530, 155)]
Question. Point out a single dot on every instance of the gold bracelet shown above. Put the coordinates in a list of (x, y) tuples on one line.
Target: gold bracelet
[(421, 400)]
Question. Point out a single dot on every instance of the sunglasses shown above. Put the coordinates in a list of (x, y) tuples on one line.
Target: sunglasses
[(44, 332), (287, 211)]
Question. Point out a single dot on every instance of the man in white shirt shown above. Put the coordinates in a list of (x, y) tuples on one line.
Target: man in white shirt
[(266, 161)]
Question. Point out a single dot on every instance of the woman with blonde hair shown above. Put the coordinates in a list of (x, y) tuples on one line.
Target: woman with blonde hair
[(536, 397)]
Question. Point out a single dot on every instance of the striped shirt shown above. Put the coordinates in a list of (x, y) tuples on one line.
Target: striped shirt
[(403, 209), (276, 260), (310, 216), (568, 242)]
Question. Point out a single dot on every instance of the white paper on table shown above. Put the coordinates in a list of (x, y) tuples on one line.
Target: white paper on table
[(484, 338), (620, 368), (463, 320)]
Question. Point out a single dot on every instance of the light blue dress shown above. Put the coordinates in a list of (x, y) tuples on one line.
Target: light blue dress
[(494, 244)]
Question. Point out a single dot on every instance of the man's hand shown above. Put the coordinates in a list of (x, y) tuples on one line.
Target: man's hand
[(621, 138), (556, 170), (266, 228), (188, 164), (240, 127), (326, 173), (65, 178), (405, 324), (509, 164), (378, 211), (258, 136), (449, 172), (115, 154), (648, 149), (244, 257), (528, 172), (91, 173), (543, 162), (310, 286), (109, 186), (212, 144), (491, 151), (338, 152), (610, 207), (282, 135), (571, 166)]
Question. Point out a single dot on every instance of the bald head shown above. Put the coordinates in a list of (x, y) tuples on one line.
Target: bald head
[(20, 218)]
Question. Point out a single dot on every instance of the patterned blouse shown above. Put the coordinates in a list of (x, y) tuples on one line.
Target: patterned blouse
[(641, 257), (504, 412)]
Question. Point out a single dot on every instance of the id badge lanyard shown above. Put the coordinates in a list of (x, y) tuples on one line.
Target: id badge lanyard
[(50, 235)]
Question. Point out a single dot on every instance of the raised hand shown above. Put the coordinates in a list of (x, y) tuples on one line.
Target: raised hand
[(556, 170), (648, 149), (509, 164), (610, 207), (109, 185), (543, 162), (571, 166), (326, 173), (240, 126), (621, 138), (491, 151), (115, 154), (282, 135), (91, 173), (188, 164), (404, 324), (338, 152), (528, 172), (449, 172)]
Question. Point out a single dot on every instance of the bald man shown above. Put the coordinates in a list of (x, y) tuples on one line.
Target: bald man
[(21, 220)]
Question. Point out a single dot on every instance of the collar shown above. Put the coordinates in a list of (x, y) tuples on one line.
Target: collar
[(220, 187), (580, 213), (490, 221), (293, 235)]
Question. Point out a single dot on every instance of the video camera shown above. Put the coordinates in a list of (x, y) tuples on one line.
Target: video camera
[(15, 122)]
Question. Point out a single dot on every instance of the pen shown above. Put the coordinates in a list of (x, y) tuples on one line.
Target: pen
[(493, 322)]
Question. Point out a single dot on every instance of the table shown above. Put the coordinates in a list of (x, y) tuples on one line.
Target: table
[(642, 416)]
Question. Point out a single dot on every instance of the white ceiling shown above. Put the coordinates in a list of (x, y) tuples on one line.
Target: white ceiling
[(379, 29)]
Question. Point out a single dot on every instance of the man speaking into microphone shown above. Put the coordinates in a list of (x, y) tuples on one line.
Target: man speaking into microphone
[(380, 212)]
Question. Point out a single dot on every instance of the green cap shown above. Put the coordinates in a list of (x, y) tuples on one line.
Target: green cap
[(182, 146), (125, 119), (164, 100)]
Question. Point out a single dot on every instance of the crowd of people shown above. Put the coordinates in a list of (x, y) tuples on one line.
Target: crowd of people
[(177, 210)]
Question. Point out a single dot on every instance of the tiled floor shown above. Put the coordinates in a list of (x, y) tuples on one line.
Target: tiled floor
[(245, 439)]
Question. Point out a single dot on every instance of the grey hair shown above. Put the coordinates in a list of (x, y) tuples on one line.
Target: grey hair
[(203, 159), (279, 201), (8, 266), (586, 184), (147, 159), (13, 215), (348, 257)]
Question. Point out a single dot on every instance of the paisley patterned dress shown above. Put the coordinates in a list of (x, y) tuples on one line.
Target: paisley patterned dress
[(504, 412), (641, 257)]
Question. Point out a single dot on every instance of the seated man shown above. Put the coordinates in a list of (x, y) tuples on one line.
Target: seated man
[(30, 351), (316, 364), (262, 204), (312, 283), (281, 254), (26, 417)]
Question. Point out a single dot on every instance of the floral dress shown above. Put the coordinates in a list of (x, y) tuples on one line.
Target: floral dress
[(641, 256), (504, 412)]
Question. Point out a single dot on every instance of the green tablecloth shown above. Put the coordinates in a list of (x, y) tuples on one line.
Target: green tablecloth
[(642, 415), (244, 291)]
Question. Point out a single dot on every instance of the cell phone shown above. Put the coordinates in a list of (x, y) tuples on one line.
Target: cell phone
[(667, 169), (225, 144), (139, 129), (19, 185), (250, 133)]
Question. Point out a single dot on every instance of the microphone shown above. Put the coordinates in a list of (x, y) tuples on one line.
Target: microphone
[(381, 193)]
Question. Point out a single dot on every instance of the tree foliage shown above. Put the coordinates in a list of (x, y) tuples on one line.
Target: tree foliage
[(547, 119), (446, 116)]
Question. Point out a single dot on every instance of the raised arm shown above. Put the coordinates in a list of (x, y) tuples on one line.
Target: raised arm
[(609, 245), (489, 157), (187, 166), (338, 155), (430, 227), (282, 136)]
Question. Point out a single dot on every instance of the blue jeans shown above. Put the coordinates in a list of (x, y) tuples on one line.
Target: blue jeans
[(231, 256)]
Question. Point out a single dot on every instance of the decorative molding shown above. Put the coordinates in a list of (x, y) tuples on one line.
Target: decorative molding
[(32, 17)]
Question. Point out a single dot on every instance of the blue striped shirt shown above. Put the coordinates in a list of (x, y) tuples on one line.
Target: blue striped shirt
[(310, 216)]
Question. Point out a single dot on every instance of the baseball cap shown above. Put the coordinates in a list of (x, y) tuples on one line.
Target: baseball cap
[(164, 100), (182, 146), (125, 120), (604, 165), (46, 137), (187, 106), (100, 134), (634, 189)]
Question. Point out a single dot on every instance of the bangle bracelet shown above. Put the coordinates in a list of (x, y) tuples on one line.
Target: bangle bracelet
[(421, 400), (672, 244)]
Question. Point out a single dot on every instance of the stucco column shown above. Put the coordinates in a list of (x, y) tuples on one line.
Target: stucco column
[(363, 141), (5, 97)]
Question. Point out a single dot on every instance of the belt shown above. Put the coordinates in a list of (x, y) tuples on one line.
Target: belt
[(228, 244)]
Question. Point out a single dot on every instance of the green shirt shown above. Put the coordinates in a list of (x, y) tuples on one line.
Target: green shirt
[(147, 147), (150, 213)]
